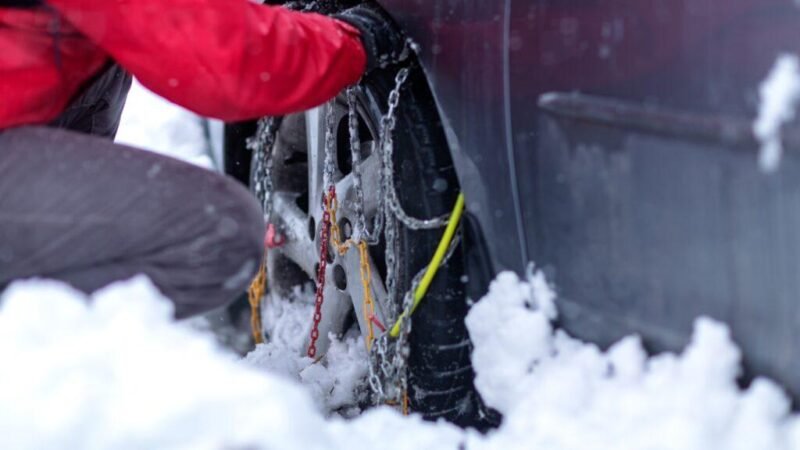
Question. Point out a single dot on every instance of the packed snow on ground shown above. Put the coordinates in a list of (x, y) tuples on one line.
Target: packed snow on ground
[(115, 371), (779, 94)]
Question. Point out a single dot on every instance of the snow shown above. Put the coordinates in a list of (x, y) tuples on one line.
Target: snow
[(115, 371), (557, 392), (506, 342), (779, 94), (336, 382), (152, 123)]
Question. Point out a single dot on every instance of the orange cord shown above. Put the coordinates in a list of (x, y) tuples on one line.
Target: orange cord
[(254, 295)]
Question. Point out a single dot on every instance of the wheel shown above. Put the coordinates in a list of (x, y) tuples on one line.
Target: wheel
[(440, 374)]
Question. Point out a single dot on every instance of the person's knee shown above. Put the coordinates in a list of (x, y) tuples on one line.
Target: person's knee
[(229, 255), (242, 229), (246, 212)]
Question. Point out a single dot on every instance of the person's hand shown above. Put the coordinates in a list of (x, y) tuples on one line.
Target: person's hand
[(383, 41), (315, 6), (22, 3)]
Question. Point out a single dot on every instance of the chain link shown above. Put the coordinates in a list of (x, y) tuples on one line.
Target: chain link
[(388, 371), (328, 200), (328, 166), (360, 229), (388, 377), (319, 295), (388, 123), (262, 143)]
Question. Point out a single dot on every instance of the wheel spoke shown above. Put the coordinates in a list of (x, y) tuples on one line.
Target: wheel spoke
[(294, 223), (370, 180), (303, 249), (351, 262), (315, 129), (334, 313)]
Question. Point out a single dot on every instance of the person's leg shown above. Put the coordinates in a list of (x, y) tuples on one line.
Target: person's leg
[(87, 211)]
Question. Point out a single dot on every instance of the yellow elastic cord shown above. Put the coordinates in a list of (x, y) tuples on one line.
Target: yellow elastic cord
[(433, 267)]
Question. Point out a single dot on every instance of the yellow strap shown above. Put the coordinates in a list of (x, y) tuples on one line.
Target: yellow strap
[(433, 267), (368, 304), (254, 295)]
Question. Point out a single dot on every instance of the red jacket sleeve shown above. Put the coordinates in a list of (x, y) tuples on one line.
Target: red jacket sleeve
[(229, 59)]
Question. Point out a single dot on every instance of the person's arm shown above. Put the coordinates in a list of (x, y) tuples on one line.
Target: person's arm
[(229, 59)]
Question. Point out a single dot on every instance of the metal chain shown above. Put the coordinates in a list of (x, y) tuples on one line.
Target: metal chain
[(387, 369), (388, 123), (262, 144), (319, 296), (386, 140), (328, 200), (388, 374), (328, 163), (360, 229)]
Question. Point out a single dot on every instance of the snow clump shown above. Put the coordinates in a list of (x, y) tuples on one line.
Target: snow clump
[(337, 381), (779, 94), (556, 392), (117, 372)]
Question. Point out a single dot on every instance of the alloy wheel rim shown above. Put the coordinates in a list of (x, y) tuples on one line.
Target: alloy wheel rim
[(343, 291)]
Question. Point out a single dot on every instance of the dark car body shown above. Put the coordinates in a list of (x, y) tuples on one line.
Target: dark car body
[(610, 142)]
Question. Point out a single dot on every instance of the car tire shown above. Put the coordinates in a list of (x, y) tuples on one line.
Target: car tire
[(440, 373)]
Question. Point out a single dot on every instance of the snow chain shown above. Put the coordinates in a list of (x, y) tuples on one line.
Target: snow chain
[(261, 143), (388, 351)]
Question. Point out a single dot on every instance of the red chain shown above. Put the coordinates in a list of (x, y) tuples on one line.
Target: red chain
[(323, 264)]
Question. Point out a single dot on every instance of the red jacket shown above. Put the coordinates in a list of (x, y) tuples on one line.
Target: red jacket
[(229, 59)]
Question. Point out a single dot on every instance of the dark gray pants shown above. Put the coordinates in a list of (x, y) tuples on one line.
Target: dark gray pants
[(86, 211)]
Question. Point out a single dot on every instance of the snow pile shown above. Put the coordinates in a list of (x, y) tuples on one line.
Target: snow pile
[(779, 95), (337, 382), (510, 328), (152, 123), (558, 393), (117, 372), (120, 374)]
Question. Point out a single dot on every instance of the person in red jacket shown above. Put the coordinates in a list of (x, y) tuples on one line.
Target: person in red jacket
[(76, 207)]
